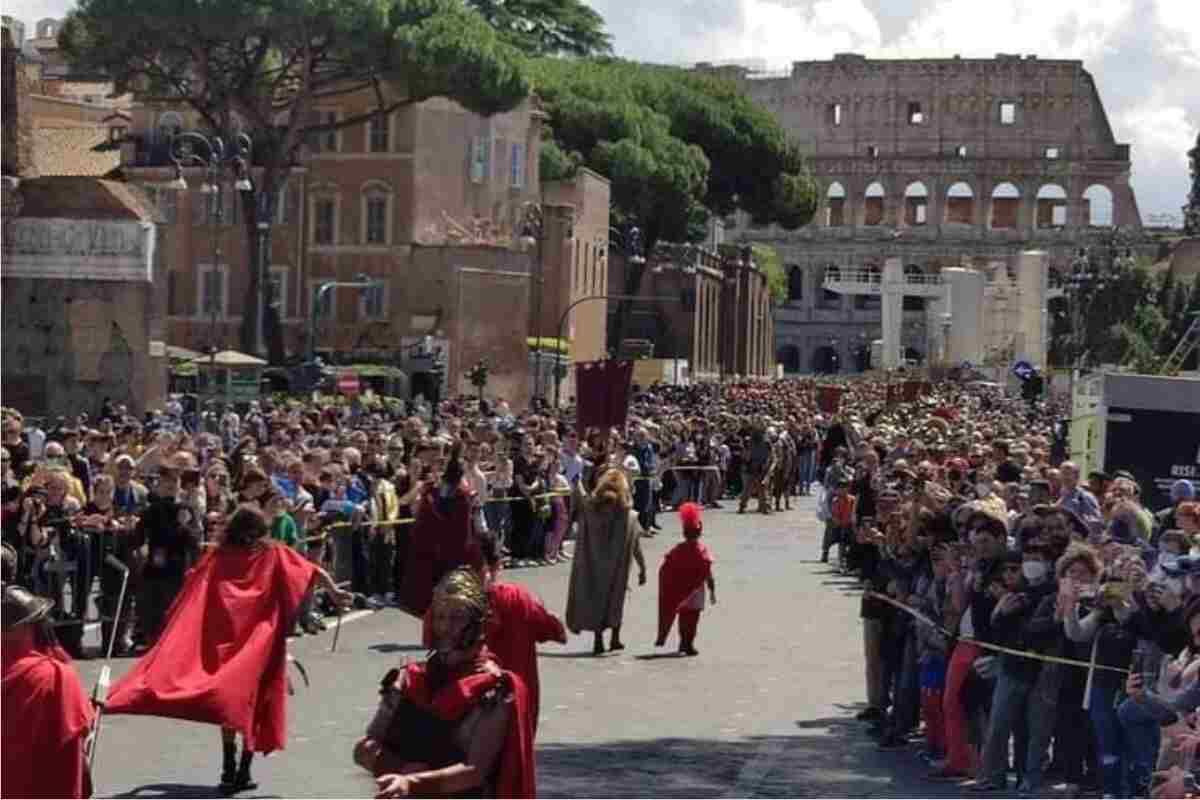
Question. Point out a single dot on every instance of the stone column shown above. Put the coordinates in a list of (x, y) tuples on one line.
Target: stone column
[(891, 306), (965, 304), (1032, 282)]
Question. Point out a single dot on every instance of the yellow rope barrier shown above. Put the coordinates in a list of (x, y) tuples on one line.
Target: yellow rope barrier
[(1070, 662)]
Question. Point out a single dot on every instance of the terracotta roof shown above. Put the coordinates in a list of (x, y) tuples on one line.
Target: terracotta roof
[(62, 197), (74, 151)]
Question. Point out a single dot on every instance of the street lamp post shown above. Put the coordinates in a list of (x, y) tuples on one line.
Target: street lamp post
[(533, 228), (195, 149), (1092, 270), (628, 243), (562, 321), (947, 321), (361, 282)]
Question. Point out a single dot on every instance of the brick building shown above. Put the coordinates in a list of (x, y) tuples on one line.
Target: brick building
[(707, 311), (427, 202), (573, 266), (941, 162)]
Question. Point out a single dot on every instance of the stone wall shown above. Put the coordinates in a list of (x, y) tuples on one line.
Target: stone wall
[(940, 162), (17, 119), (68, 344)]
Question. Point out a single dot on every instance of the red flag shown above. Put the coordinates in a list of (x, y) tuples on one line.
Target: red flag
[(602, 393), (222, 656), (829, 399)]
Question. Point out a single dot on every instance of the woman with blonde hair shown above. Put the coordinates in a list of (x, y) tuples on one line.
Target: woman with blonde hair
[(609, 539)]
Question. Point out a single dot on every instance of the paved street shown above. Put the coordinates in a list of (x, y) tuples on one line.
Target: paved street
[(765, 710)]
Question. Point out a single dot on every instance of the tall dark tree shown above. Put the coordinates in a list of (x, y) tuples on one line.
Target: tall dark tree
[(547, 27), (678, 147), (272, 61)]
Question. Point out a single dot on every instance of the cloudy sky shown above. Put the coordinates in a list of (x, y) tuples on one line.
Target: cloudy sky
[(1144, 54)]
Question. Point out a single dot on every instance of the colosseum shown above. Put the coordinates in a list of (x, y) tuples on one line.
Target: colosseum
[(941, 163)]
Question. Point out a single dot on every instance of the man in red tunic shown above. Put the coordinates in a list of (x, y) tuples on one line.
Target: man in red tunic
[(518, 623), (222, 656), (457, 724), (47, 715), (685, 571), (443, 537)]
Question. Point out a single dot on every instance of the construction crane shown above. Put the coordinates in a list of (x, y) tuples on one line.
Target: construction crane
[(1187, 345)]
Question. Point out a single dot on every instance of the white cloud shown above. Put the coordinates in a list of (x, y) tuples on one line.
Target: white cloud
[(1145, 57), (1065, 29), (1162, 135)]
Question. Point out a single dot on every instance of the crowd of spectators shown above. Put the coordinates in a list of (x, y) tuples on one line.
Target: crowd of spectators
[(1018, 618), (1007, 597)]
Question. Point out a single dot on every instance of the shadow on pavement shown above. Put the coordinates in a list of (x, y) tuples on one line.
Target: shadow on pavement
[(183, 790), (657, 656), (574, 654), (831, 757), (392, 647)]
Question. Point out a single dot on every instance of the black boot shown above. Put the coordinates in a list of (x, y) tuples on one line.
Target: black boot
[(244, 781), (228, 768)]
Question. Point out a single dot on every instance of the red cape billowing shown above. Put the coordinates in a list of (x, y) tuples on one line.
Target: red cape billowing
[(46, 714), (222, 655), (685, 568), (516, 775)]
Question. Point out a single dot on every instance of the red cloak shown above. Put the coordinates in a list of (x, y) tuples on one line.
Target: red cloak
[(439, 542), (452, 701), (685, 568), (222, 655), (46, 716), (517, 625)]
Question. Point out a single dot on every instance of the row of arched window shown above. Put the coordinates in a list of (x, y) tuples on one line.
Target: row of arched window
[(959, 208)]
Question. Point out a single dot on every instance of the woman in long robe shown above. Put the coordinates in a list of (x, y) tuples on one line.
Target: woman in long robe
[(609, 539)]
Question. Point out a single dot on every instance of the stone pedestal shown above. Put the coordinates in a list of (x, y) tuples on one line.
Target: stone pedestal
[(1033, 283), (964, 289)]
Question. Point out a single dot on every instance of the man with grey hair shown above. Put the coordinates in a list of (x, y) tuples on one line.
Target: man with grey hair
[(1079, 500)]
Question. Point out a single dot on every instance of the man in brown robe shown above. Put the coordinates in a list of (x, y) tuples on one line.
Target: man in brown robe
[(608, 540)]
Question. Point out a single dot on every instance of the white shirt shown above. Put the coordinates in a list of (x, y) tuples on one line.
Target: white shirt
[(37, 443), (572, 466)]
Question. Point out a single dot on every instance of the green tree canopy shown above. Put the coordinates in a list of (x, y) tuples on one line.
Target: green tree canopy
[(272, 62), (677, 145), (547, 27)]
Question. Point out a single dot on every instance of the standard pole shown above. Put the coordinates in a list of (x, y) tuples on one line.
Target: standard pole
[(537, 317), (562, 321), (264, 240)]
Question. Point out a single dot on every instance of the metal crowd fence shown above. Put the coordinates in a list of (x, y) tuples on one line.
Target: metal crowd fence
[(58, 574)]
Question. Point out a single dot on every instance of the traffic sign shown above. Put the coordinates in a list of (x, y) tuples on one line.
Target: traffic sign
[(347, 383), (1023, 370)]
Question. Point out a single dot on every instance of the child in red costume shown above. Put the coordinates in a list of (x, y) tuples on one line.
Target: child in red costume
[(685, 571)]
